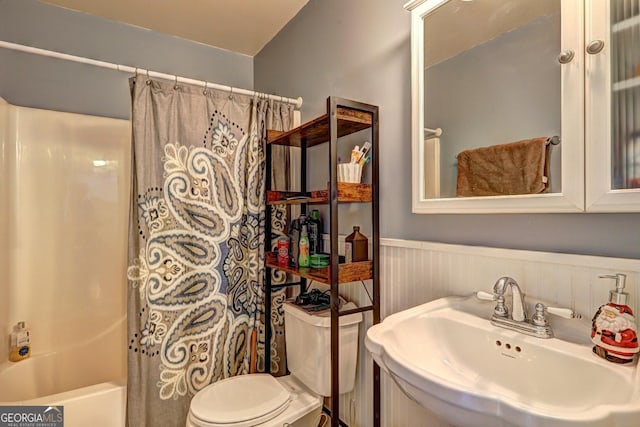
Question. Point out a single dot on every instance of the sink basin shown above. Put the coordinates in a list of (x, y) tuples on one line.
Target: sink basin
[(471, 373)]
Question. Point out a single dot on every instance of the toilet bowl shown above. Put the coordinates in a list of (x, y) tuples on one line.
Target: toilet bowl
[(294, 400)]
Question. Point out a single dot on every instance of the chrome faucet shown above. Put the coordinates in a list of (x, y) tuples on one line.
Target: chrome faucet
[(537, 326), (518, 311)]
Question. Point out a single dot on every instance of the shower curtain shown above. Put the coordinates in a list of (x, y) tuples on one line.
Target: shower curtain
[(196, 244)]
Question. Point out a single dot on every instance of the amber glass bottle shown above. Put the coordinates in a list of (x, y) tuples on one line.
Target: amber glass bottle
[(356, 246)]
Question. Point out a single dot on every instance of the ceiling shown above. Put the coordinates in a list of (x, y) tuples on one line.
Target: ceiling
[(460, 25), (246, 26), (242, 26)]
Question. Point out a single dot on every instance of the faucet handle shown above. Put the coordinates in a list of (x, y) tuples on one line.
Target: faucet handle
[(486, 296), (500, 309), (567, 313), (539, 318)]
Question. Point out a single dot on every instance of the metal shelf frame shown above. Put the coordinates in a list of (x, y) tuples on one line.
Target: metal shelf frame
[(333, 124)]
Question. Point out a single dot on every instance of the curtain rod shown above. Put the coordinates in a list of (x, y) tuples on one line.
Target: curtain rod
[(128, 69)]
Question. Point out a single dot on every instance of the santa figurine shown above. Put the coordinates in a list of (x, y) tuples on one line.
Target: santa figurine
[(614, 333)]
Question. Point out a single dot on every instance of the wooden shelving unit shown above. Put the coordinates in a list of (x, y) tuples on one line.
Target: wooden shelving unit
[(347, 193), (343, 117), (351, 272), (316, 131)]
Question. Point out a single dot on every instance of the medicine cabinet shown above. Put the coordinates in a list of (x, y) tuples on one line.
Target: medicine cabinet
[(491, 72), (613, 106)]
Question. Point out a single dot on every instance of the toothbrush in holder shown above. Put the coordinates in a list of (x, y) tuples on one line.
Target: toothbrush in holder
[(363, 161), (362, 155)]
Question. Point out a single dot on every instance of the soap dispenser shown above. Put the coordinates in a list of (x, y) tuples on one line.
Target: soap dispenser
[(613, 329)]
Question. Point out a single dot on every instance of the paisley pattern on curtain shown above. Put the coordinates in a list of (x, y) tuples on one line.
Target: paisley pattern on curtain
[(278, 117), (196, 250)]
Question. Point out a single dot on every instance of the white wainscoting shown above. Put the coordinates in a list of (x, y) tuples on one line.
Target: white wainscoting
[(414, 272)]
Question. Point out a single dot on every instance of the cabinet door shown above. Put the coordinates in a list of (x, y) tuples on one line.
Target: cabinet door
[(612, 51)]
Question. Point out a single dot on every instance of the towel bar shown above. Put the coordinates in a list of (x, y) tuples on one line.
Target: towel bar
[(433, 132), (554, 140)]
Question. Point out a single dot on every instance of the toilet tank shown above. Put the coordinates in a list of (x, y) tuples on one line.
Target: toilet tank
[(308, 341)]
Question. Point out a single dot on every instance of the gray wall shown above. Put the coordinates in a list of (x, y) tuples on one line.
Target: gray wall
[(360, 49), (34, 81)]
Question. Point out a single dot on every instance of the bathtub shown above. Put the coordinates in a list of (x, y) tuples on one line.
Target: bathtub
[(99, 405), (88, 379)]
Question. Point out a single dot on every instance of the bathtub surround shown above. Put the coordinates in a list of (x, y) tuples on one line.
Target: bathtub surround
[(195, 309), (66, 180)]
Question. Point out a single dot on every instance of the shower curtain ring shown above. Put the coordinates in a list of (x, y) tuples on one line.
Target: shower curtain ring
[(230, 92), (175, 86), (205, 92), (148, 79)]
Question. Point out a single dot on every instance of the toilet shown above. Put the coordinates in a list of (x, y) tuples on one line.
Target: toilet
[(294, 400)]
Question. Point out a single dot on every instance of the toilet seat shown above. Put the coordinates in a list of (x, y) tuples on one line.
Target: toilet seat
[(241, 401)]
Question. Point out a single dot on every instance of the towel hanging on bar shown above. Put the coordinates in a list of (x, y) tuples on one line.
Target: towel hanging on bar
[(520, 167)]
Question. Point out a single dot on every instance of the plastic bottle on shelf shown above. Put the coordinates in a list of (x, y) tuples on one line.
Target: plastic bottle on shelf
[(315, 232), (294, 235), (303, 257)]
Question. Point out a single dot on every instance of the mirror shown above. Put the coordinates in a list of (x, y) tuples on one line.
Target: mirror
[(497, 122)]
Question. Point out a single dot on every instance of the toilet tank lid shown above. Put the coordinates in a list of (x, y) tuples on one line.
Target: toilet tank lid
[(239, 398), (323, 319)]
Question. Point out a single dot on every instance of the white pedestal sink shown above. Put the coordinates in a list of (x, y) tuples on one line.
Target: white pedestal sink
[(472, 373)]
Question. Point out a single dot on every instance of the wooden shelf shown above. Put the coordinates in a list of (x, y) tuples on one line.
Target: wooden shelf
[(317, 131), (351, 272), (347, 193)]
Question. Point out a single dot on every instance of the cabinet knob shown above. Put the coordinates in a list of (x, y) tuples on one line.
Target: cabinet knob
[(566, 56), (595, 47)]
